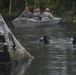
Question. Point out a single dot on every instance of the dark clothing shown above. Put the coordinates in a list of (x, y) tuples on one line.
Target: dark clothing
[(74, 40), (44, 39), (4, 54), (2, 38)]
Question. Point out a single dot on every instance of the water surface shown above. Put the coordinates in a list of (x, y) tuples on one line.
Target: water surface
[(56, 58)]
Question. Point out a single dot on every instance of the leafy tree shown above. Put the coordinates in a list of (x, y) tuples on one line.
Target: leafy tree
[(58, 6)]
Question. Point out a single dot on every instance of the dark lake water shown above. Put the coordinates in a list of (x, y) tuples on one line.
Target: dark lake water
[(56, 58)]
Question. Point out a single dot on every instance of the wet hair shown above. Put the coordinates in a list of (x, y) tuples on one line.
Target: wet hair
[(74, 40), (44, 39)]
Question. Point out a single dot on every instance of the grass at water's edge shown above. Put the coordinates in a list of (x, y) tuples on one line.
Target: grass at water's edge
[(9, 17)]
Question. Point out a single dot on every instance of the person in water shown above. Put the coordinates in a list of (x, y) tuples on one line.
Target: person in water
[(44, 39), (47, 14), (26, 13), (73, 39), (37, 14)]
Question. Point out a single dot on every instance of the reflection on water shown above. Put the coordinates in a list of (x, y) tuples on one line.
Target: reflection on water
[(56, 58), (20, 68), (15, 69)]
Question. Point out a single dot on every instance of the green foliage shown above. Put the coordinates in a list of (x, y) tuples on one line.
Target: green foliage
[(57, 6)]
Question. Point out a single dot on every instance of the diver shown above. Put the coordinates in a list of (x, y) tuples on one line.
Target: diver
[(73, 40), (44, 39)]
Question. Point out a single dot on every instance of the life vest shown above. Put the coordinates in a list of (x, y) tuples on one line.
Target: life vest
[(36, 10)]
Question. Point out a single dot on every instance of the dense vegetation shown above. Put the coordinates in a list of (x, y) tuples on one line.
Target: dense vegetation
[(58, 7)]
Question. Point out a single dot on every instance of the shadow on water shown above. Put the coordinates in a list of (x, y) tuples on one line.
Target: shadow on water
[(15, 69), (56, 58)]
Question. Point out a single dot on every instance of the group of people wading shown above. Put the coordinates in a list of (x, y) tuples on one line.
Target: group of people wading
[(46, 15)]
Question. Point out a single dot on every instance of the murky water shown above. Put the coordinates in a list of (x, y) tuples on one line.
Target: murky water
[(56, 58)]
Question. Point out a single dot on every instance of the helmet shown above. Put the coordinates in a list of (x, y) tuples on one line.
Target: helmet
[(47, 10), (37, 10)]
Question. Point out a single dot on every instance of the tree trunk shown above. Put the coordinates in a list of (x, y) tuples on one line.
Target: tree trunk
[(1, 4), (10, 6)]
